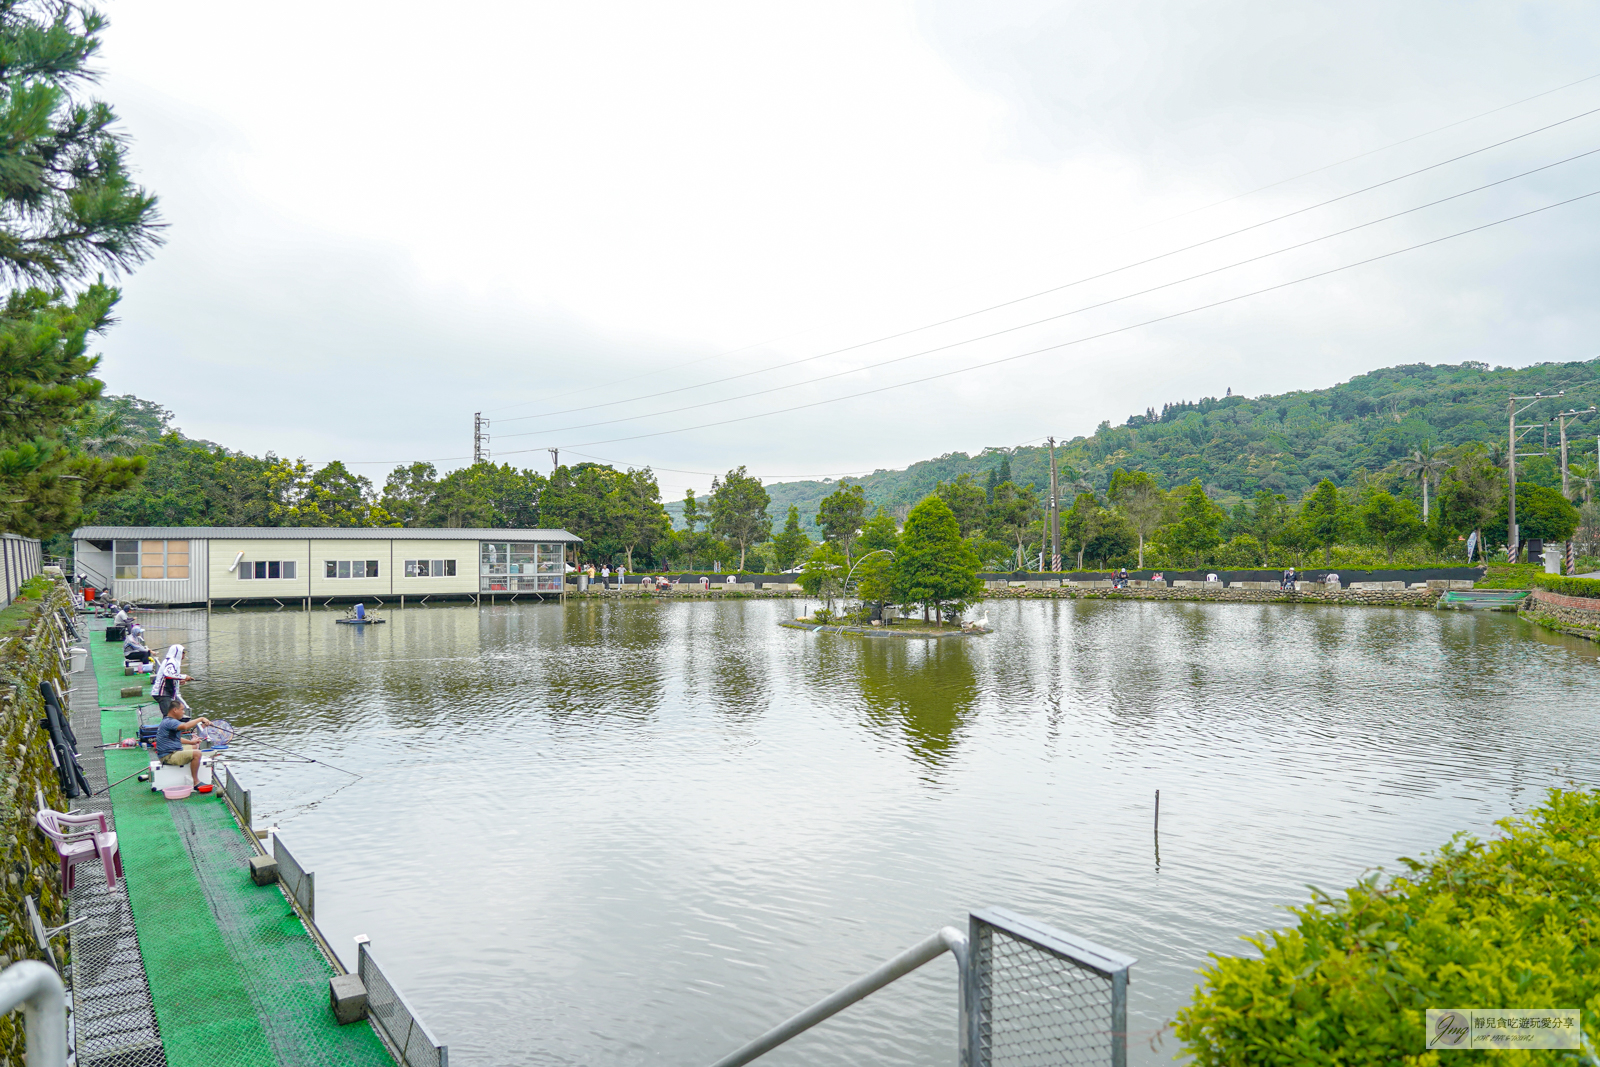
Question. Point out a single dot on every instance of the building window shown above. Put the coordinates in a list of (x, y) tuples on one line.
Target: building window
[(430, 568), (150, 560), (266, 568), (510, 567), (350, 568)]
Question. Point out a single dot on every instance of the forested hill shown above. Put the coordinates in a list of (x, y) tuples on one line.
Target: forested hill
[(1236, 444)]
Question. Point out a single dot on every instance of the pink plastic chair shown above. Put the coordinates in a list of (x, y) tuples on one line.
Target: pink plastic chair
[(78, 846)]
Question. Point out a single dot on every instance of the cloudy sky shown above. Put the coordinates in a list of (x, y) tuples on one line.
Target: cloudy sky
[(698, 236)]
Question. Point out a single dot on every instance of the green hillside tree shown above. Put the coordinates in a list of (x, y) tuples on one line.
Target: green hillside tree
[(966, 500), (1013, 514), (1138, 497), (635, 517), (791, 545), (408, 492), (691, 510), (1541, 512), (739, 511), (1197, 527), (934, 566), (1326, 518), (1392, 523)]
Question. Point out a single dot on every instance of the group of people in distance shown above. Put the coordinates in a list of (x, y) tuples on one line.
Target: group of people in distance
[(177, 742)]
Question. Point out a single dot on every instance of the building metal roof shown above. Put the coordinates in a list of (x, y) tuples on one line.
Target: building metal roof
[(320, 533)]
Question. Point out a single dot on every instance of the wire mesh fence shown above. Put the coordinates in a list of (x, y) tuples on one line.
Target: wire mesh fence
[(113, 1020), (394, 1018), (1042, 998), (298, 882)]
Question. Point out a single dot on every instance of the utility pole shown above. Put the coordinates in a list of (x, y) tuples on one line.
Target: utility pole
[(1563, 417), (1513, 543), (555, 458), (1055, 511), (480, 438)]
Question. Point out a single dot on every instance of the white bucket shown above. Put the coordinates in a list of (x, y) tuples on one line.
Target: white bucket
[(80, 659)]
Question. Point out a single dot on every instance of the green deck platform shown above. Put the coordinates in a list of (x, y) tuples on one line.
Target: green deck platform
[(235, 977)]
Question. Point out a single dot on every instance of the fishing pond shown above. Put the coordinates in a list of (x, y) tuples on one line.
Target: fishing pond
[(642, 833)]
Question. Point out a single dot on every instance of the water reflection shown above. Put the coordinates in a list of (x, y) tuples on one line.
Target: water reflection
[(922, 690), (698, 821)]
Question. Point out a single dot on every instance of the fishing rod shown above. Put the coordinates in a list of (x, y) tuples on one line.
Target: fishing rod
[(298, 755)]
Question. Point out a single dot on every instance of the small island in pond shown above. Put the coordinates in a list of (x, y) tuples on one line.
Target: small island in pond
[(928, 565)]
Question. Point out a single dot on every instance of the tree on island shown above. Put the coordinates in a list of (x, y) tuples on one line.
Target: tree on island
[(840, 516), (739, 510), (933, 566)]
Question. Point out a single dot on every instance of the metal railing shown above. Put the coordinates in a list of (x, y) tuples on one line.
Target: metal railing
[(299, 882), (1037, 995), (37, 989), (390, 1012), (1030, 995)]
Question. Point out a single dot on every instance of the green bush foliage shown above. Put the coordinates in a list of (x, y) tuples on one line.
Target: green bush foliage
[(1589, 587), (1506, 923)]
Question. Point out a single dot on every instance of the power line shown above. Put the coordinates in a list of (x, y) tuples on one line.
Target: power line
[(1091, 337), (1062, 315), (635, 377), (1064, 286), (1369, 152)]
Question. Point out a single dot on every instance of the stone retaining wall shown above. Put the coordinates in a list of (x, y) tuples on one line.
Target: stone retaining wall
[(29, 654), (1214, 591), (1209, 591), (1568, 613)]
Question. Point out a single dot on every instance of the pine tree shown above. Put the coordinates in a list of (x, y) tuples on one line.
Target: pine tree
[(792, 545), (68, 209), (933, 566)]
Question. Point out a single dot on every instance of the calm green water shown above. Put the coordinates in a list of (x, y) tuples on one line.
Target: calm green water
[(643, 833)]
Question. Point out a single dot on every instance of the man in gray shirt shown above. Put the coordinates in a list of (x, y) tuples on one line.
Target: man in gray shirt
[(170, 747)]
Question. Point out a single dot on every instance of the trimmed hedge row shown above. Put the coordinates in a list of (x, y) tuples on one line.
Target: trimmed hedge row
[(1506, 923), (1589, 587)]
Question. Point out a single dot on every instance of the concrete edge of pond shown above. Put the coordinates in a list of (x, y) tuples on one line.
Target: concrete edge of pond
[(871, 631)]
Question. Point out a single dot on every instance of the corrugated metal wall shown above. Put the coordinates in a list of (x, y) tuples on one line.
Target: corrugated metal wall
[(20, 559)]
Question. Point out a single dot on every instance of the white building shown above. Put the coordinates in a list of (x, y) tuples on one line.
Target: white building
[(223, 565)]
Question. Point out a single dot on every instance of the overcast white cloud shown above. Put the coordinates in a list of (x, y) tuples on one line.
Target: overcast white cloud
[(382, 222)]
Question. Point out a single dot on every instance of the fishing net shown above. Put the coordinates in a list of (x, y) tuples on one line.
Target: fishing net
[(218, 734)]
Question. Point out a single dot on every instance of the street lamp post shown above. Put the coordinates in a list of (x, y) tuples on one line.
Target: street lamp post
[(1513, 542), (858, 563)]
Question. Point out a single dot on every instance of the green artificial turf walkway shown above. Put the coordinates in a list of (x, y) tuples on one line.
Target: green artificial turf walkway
[(235, 979)]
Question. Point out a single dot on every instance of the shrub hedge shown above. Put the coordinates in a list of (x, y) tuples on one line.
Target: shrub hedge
[(1507, 923), (1589, 587)]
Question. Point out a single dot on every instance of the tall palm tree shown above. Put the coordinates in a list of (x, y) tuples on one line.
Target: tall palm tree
[(1584, 472), (1426, 467)]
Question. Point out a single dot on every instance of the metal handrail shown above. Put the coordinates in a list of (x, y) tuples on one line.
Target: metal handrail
[(38, 989), (948, 939)]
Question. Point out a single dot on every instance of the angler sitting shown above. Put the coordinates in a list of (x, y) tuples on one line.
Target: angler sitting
[(172, 748), (134, 650)]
